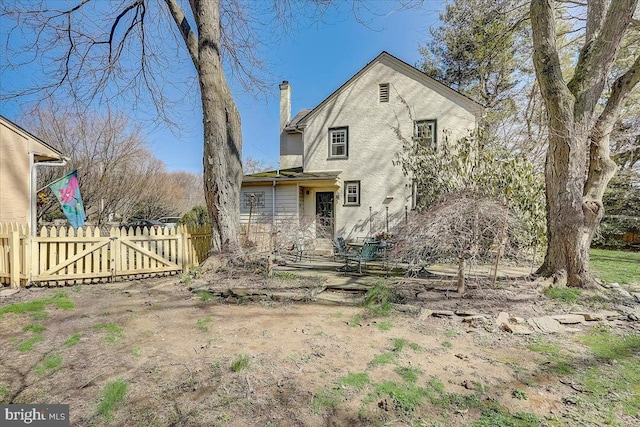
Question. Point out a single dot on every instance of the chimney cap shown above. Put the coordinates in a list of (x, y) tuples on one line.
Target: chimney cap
[(284, 84)]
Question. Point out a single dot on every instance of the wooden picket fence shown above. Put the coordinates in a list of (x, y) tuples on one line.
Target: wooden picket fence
[(67, 256)]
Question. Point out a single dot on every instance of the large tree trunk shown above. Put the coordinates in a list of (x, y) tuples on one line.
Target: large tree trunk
[(575, 186), (222, 134)]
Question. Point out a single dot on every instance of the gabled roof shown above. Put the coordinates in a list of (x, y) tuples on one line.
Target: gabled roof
[(47, 153), (472, 104)]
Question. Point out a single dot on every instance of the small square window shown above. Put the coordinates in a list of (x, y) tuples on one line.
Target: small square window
[(352, 193), (424, 132), (338, 142), (383, 92)]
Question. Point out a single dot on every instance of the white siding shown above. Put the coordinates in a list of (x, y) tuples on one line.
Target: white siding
[(373, 142), (286, 202)]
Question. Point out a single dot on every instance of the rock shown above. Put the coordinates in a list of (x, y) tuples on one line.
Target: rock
[(425, 312), (636, 295), (633, 317), (502, 319), (624, 293), (8, 292), (517, 320), (612, 285), (517, 329), (545, 324), (601, 315), (442, 313), (590, 317), (465, 313), (474, 319), (568, 319), (407, 308)]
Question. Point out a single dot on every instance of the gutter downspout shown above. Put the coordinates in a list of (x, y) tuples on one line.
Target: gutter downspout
[(33, 191), (273, 203)]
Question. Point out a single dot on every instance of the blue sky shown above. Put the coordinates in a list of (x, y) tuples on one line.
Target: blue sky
[(315, 57)]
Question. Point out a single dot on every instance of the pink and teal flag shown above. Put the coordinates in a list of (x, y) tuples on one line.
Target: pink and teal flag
[(67, 192)]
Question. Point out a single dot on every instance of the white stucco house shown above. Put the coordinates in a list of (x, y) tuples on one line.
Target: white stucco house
[(337, 170)]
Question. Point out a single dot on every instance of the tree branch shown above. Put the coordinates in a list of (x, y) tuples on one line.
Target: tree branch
[(619, 93), (547, 62), (190, 39), (598, 55)]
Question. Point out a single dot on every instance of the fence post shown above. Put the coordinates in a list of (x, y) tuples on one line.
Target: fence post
[(184, 249), (14, 257)]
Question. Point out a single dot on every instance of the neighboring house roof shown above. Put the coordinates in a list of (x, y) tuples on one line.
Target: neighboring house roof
[(304, 115), (45, 153), (293, 174)]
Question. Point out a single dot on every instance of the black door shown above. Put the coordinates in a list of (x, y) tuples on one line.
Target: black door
[(324, 214)]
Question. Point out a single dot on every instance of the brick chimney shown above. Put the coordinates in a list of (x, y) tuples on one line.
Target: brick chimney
[(285, 104)]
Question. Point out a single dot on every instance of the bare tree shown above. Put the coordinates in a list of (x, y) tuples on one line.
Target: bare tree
[(252, 165), (101, 53), (107, 152), (581, 115), (462, 227)]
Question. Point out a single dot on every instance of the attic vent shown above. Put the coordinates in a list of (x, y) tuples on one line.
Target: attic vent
[(384, 92)]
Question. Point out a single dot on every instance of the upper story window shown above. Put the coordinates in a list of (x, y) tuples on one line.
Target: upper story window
[(338, 142), (383, 92), (424, 132), (352, 193)]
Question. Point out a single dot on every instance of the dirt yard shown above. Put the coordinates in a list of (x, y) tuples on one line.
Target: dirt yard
[(285, 356)]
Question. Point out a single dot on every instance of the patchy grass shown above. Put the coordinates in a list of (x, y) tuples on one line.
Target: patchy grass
[(447, 344), (415, 346), (240, 363), (409, 374), (383, 359), (113, 331), (35, 328), (113, 395), (495, 416), (612, 381), (356, 380), (406, 396), (49, 364), (384, 326), (27, 346), (519, 394), (326, 398), (72, 340), (356, 320), (557, 360), (204, 296), (203, 324), (285, 275), (569, 295), (398, 344), (450, 333), (380, 298), (615, 266), (36, 307)]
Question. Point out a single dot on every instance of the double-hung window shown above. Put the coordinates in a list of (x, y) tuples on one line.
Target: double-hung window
[(339, 142), (352, 193), (424, 132)]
